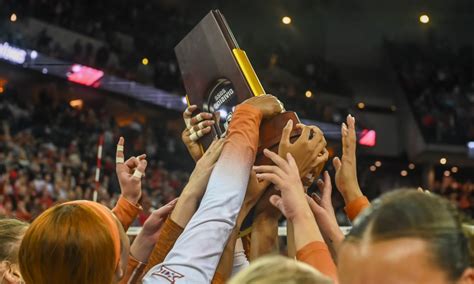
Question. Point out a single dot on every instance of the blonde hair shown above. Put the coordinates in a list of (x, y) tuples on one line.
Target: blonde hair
[(279, 269), (11, 233)]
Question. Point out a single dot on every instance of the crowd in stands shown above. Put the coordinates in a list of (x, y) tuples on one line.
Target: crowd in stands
[(407, 236), (193, 221), (459, 193), (49, 155), (107, 22), (48, 152), (439, 83)]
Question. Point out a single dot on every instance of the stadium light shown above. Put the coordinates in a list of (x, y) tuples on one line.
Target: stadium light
[(13, 17), (443, 161), (373, 168), (404, 173), (12, 54), (76, 103), (454, 169), (33, 54), (447, 173), (286, 20), (424, 19), (411, 166), (378, 164), (308, 94)]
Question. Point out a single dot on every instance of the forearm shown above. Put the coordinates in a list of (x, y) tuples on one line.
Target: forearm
[(351, 193), (310, 245), (264, 238), (185, 208), (134, 271), (224, 269), (333, 238), (306, 229), (126, 211), (290, 237), (199, 248), (142, 248), (166, 240)]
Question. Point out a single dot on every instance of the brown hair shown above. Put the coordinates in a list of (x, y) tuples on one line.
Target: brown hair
[(68, 244), (410, 213), (11, 233), (279, 269)]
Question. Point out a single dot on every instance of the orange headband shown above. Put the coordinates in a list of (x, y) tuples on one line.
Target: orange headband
[(107, 217)]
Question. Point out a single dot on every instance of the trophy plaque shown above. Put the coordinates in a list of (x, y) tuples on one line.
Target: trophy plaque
[(217, 76)]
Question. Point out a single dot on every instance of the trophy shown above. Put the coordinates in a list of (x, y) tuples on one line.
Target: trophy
[(217, 76)]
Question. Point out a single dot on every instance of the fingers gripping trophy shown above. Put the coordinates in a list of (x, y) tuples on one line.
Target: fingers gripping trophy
[(218, 76)]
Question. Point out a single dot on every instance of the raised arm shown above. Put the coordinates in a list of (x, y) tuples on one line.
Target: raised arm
[(310, 155), (129, 174), (346, 171), (194, 190), (143, 244), (323, 211), (294, 206), (187, 204), (255, 189), (197, 251)]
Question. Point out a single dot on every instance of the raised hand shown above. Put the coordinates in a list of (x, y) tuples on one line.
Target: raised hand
[(308, 150), (130, 173), (196, 127), (285, 176), (346, 167), (146, 239), (292, 203), (324, 213), (267, 104), (154, 222)]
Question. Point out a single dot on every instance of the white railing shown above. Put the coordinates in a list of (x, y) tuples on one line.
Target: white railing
[(133, 231)]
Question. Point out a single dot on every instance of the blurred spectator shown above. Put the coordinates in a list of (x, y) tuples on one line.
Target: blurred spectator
[(109, 21), (48, 155), (439, 84), (460, 194)]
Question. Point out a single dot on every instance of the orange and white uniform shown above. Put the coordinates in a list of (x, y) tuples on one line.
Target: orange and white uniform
[(196, 254)]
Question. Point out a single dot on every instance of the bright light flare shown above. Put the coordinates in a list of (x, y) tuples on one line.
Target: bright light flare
[(286, 20), (424, 19)]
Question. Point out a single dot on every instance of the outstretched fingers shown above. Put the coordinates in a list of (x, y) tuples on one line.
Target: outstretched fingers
[(279, 161), (286, 133), (119, 156)]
